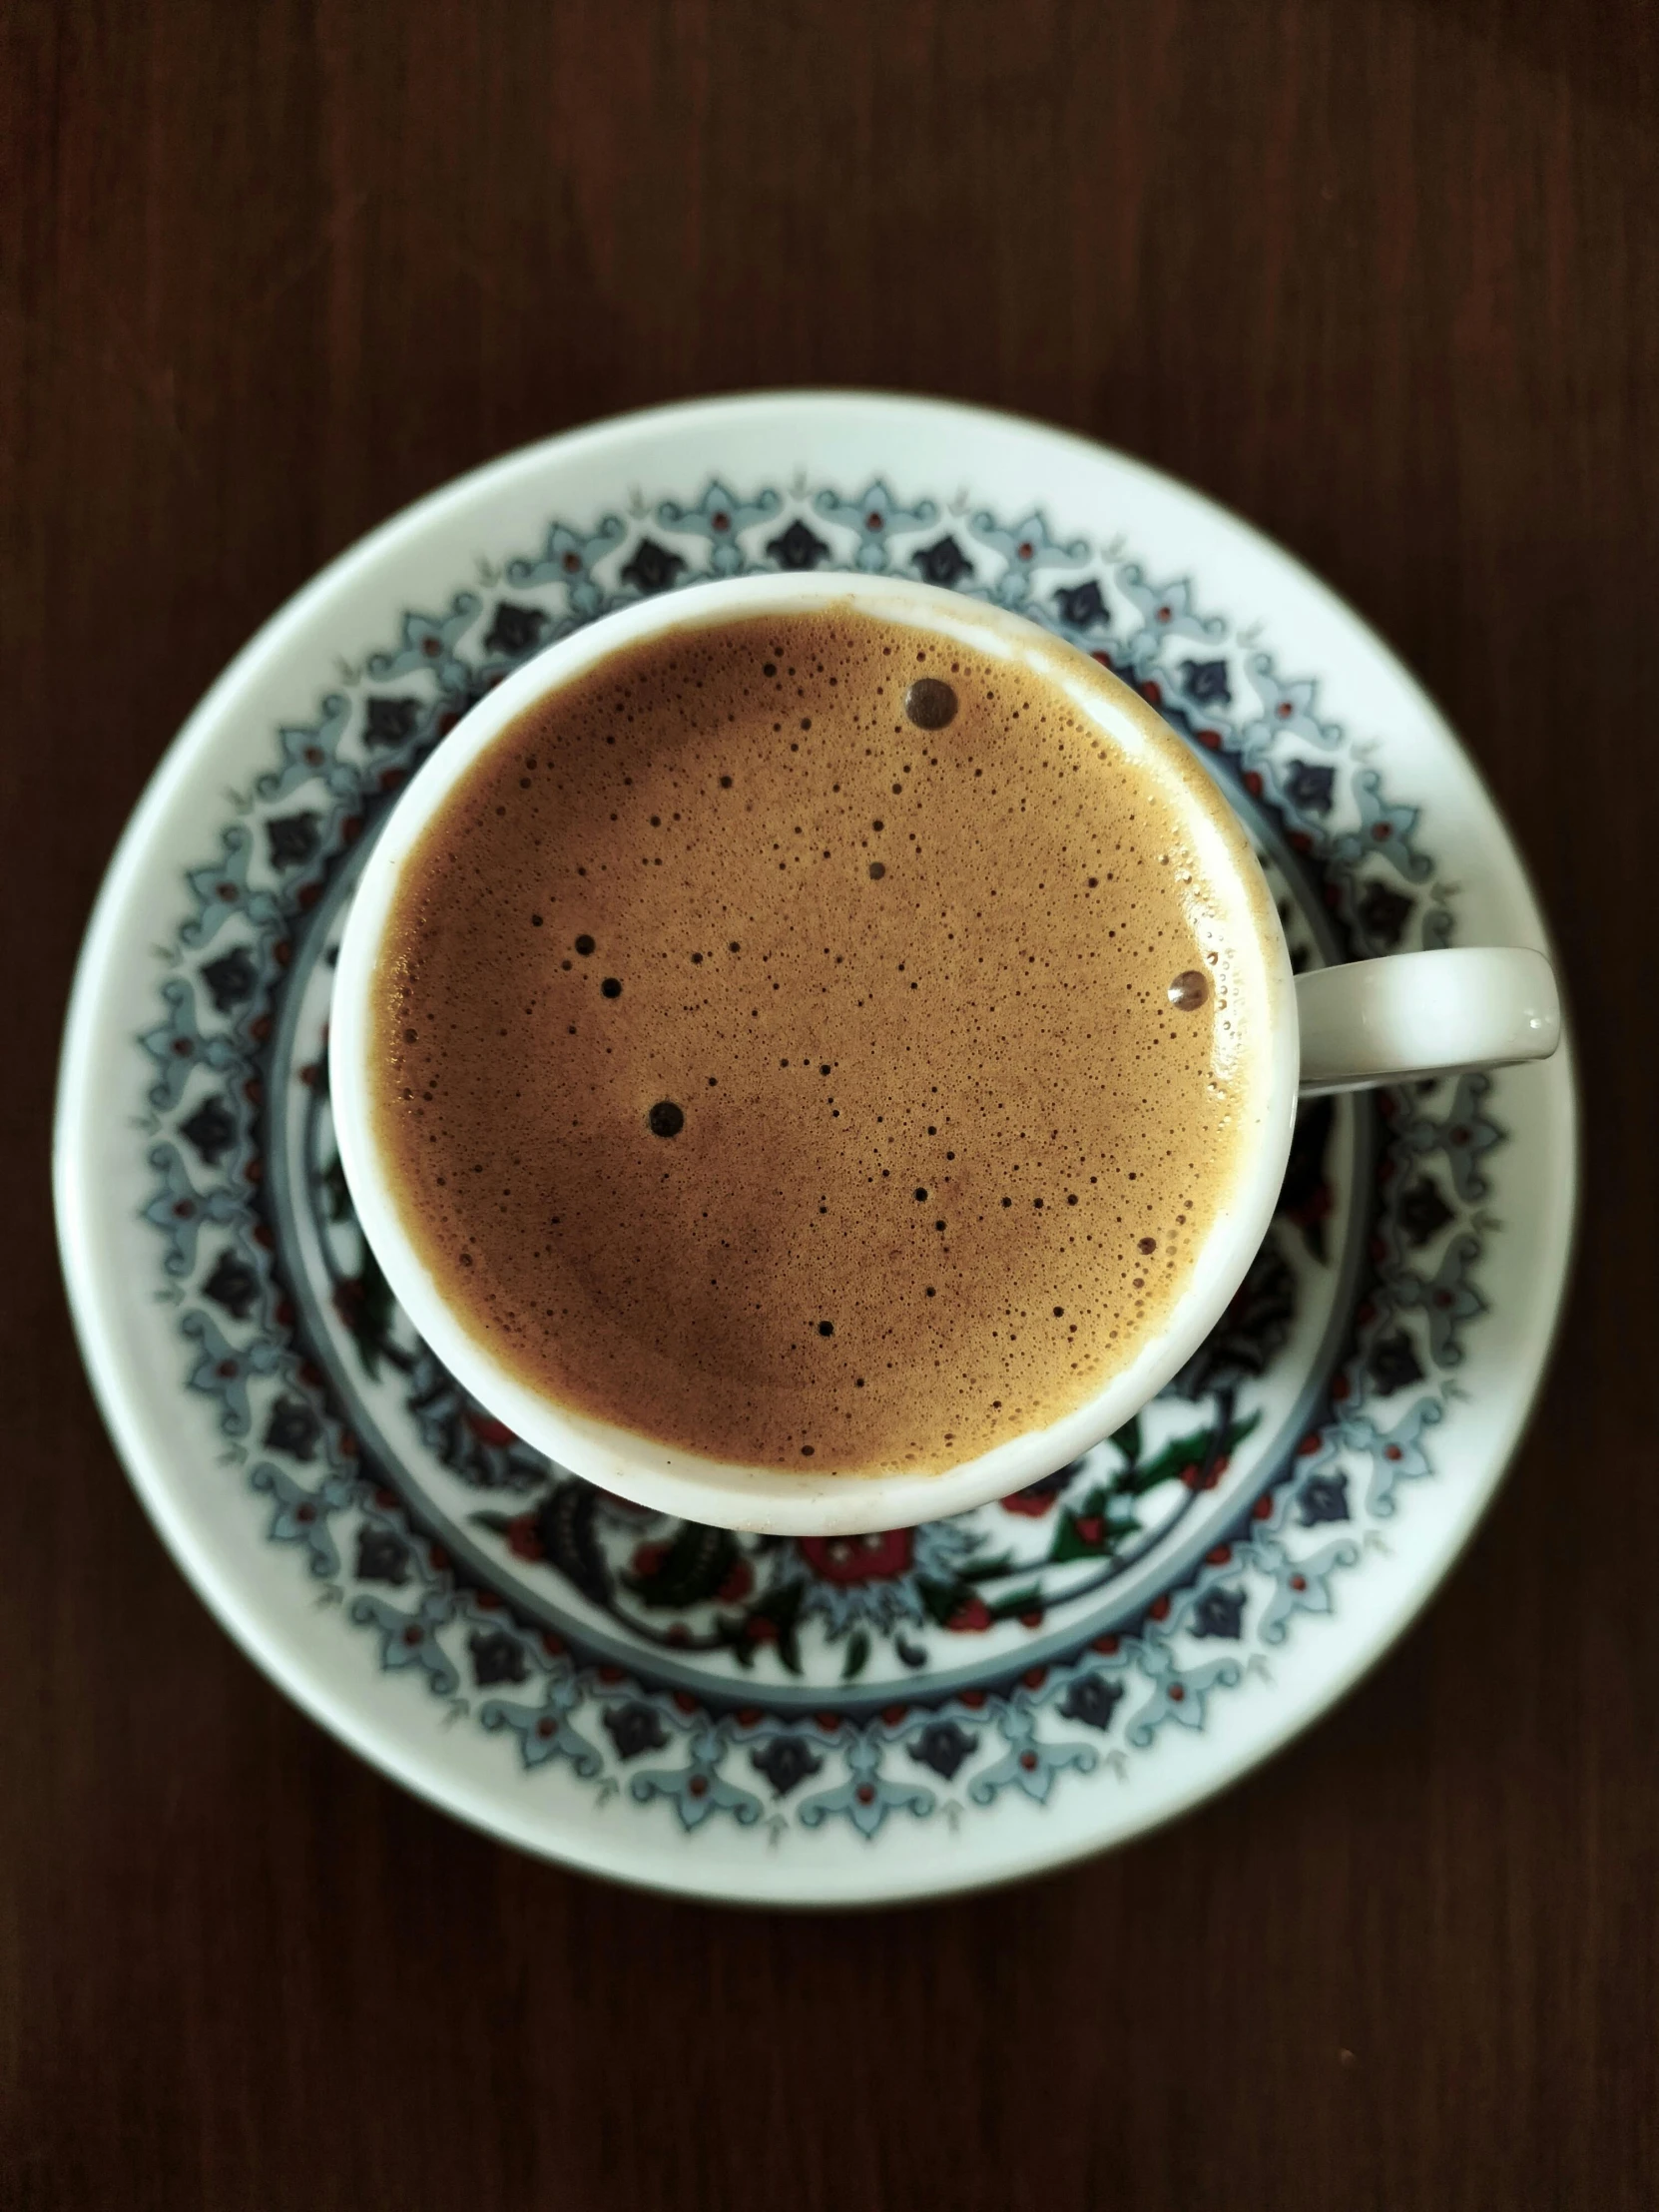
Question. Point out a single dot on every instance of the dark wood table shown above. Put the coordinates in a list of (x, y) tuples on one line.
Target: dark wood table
[(1385, 278)]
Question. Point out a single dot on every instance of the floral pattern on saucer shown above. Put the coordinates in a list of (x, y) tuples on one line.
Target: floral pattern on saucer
[(921, 1672)]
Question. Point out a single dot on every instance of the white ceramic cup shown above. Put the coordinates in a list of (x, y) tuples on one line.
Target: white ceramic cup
[(1374, 1021)]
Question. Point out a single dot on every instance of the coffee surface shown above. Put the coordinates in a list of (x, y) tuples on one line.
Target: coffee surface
[(811, 1043)]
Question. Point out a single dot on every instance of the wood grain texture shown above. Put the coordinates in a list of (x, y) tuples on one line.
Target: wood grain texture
[(1384, 276)]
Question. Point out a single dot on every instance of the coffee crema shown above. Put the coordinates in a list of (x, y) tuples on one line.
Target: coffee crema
[(810, 1043)]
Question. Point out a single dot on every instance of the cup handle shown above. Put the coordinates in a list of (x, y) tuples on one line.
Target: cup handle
[(1414, 1014)]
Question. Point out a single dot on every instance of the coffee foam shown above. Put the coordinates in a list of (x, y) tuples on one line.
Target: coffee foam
[(806, 1083)]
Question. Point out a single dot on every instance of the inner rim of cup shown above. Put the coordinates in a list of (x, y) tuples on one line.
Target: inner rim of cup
[(778, 1500)]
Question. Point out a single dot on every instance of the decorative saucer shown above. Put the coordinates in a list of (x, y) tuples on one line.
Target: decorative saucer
[(802, 1720)]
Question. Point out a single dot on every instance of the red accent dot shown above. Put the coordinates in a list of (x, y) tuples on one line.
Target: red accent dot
[(698, 1786), (1393, 1453), (1034, 1677), (1299, 1582), (1106, 1644), (1028, 1760), (1177, 1694), (865, 1793), (1159, 1608)]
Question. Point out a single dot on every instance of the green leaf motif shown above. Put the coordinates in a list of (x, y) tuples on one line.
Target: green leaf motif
[(689, 1572), (857, 1651), (1196, 1450), (337, 1198), (378, 1307), (1092, 1530), (986, 1570), (1102, 1522), (366, 1307), (941, 1599), (782, 1607), (565, 1529)]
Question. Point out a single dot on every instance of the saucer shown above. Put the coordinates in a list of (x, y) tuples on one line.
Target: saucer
[(807, 1720)]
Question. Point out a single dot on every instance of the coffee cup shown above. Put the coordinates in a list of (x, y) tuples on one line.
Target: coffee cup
[(1371, 1022)]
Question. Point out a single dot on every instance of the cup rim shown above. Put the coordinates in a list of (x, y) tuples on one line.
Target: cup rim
[(671, 1479)]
